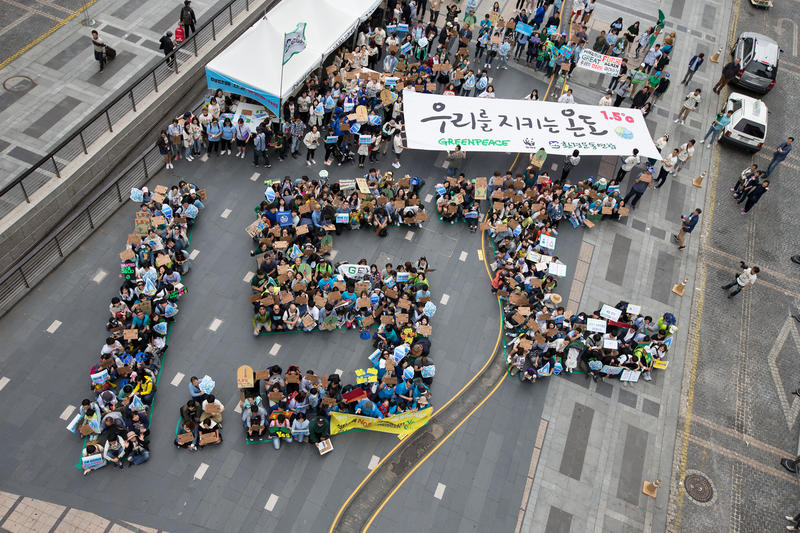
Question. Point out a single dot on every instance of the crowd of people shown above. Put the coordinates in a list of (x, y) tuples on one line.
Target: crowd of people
[(297, 287), (114, 419), (523, 226)]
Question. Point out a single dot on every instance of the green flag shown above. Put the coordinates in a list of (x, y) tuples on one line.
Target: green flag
[(659, 27)]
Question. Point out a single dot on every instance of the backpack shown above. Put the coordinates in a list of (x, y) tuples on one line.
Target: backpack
[(186, 16)]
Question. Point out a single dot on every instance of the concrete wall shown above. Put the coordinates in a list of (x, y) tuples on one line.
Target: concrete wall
[(27, 225)]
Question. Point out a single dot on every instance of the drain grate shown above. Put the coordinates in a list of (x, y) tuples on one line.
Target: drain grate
[(698, 487)]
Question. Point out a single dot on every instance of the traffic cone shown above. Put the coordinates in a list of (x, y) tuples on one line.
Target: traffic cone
[(715, 57), (651, 488), (698, 181), (680, 287)]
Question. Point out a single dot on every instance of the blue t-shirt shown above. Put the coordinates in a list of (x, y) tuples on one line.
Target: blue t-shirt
[(227, 132)]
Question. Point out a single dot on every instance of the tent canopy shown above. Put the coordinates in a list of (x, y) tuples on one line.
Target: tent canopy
[(251, 65)]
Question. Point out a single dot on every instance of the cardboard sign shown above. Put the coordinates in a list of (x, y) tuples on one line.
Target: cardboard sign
[(367, 321), (425, 331), (275, 396), (354, 395), (209, 438), (325, 446), (130, 334), (481, 188), (212, 408), (244, 377)]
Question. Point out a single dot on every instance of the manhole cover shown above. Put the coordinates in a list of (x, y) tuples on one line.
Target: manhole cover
[(698, 487), (18, 84)]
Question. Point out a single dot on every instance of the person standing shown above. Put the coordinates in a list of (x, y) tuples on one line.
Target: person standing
[(623, 72), (622, 91), (311, 140), (728, 72), (688, 222), (188, 20), (167, 45), (746, 278), (242, 137), (694, 65), (685, 153), (297, 130), (570, 162), (455, 160), (777, 157), (794, 519), (653, 55), (639, 187), (260, 144), (717, 126), (100, 49), (690, 103), (627, 165), (754, 194), (667, 168)]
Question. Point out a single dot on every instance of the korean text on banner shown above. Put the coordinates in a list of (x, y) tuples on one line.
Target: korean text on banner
[(397, 424), (597, 62), (439, 122)]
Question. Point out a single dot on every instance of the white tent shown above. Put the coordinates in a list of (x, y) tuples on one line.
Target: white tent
[(251, 65)]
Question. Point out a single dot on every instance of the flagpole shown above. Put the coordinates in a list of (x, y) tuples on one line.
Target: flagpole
[(280, 85)]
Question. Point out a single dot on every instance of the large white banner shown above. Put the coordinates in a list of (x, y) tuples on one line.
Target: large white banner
[(437, 122), (597, 62)]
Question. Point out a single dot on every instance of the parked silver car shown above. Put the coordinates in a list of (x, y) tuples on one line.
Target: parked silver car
[(758, 62)]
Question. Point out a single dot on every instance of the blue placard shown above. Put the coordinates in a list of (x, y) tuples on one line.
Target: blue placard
[(552, 29), (284, 218), (406, 48), (342, 218), (403, 28), (524, 29), (330, 139), (355, 128)]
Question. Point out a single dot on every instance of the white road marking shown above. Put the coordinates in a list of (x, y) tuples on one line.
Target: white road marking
[(215, 324), (428, 198), (201, 471), (101, 274), (238, 408), (271, 501), (445, 299), (3, 382), (247, 277), (67, 412), (204, 157), (553, 167), (194, 254), (226, 213), (54, 326), (255, 176), (463, 256), (275, 349), (409, 235), (177, 379), (439, 491), (373, 462), (333, 254)]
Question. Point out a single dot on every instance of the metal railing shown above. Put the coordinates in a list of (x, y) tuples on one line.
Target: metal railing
[(75, 228), (82, 138)]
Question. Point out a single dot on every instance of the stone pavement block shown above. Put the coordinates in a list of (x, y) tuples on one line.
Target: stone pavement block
[(7, 501), (630, 479), (627, 398), (116, 528), (558, 521), (77, 521), (577, 441), (33, 516)]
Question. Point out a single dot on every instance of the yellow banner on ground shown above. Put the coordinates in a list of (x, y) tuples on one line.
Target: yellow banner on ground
[(398, 424)]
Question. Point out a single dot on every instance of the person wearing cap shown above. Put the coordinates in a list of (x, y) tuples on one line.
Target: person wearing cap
[(319, 430), (187, 18)]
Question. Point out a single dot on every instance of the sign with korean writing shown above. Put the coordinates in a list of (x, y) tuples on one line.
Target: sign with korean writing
[(597, 62), (439, 122)]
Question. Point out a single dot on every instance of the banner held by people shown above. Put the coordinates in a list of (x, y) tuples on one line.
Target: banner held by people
[(398, 424), (439, 122), (597, 62)]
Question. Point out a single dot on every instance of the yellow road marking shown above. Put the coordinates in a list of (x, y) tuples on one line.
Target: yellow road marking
[(46, 34), (700, 295)]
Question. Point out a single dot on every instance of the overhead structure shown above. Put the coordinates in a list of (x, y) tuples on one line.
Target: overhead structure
[(253, 65)]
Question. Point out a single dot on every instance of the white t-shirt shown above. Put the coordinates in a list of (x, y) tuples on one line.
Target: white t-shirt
[(746, 278)]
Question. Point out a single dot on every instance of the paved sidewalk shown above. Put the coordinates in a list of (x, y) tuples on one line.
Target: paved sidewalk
[(55, 85)]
